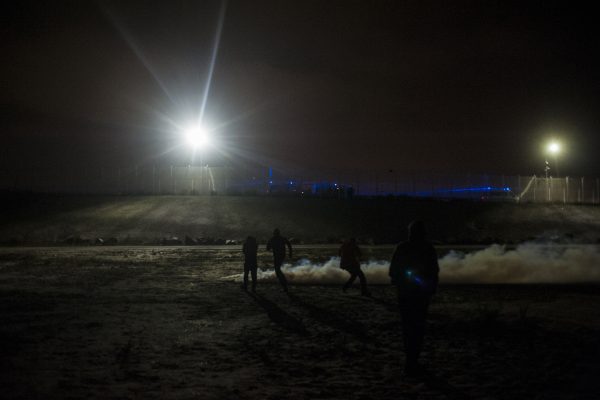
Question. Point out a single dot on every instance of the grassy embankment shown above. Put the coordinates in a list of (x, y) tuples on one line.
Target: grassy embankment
[(149, 219)]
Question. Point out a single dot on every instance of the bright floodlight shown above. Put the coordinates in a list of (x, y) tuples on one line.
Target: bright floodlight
[(554, 148), (196, 136)]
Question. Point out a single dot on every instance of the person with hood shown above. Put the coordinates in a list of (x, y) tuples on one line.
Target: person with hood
[(414, 271), (250, 249), (278, 244), (350, 261)]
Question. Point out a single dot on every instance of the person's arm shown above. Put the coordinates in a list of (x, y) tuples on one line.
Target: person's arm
[(269, 244), (289, 246), (358, 253)]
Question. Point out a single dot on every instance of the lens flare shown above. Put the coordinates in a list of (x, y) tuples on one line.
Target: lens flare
[(196, 137)]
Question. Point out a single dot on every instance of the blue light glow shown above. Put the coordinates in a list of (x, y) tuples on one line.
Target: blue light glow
[(415, 278), (464, 190)]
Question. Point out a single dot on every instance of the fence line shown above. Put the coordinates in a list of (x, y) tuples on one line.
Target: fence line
[(192, 180)]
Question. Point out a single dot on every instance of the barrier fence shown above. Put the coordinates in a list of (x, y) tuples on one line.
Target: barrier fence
[(197, 180)]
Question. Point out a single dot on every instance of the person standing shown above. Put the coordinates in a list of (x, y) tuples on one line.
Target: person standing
[(250, 250), (278, 244), (350, 261), (414, 271)]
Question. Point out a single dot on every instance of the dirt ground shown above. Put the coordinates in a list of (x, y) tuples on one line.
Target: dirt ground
[(159, 322)]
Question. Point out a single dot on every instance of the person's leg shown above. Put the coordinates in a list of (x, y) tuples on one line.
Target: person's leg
[(363, 283), (253, 270), (404, 308), (420, 320), (350, 281), (280, 275), (409, 333), (412, 335), (245, 277)]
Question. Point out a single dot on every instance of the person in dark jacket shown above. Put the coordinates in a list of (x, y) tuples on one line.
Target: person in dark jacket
[(250, 262), (350, 261), (414, 271), (278, 244)]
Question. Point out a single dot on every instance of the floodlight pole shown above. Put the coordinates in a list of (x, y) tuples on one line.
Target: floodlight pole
[(546, 169)]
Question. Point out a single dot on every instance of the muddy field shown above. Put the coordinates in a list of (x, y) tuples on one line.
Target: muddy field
[(159, 322)]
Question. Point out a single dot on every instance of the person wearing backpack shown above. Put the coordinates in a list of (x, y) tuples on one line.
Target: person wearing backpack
[(350, 256), (278, 244), (414, 271)]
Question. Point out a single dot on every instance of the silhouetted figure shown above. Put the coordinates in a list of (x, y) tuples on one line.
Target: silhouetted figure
[(278, 243), (250, 262), (350, 261), (414, 271)]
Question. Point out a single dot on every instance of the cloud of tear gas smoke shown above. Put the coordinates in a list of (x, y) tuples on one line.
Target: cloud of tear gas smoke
[(528, 263)]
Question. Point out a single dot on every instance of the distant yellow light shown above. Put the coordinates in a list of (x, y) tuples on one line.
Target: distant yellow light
[(554, 148)]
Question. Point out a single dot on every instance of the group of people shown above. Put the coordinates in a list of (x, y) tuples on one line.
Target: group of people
[(413, 270), (277, 244)]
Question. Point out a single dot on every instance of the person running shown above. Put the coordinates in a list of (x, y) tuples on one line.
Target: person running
[(414, 271), (350, 261), (250, 262), (278, 244)]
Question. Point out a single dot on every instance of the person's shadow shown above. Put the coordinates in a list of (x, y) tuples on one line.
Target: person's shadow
[(390, 306), (334, 320), (279, 316)]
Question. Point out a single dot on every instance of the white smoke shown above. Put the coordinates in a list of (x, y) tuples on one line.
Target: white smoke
[(328, 273), (528, 263)]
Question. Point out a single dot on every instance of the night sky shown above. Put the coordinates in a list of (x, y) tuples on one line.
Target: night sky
[(411, 86)]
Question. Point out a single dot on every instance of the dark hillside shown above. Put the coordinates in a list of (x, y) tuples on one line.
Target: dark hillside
[(29, 219)]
